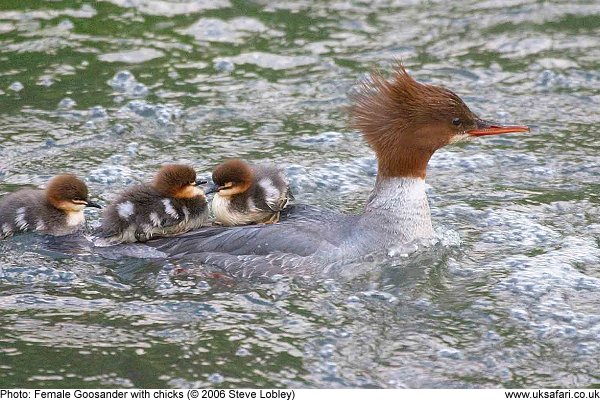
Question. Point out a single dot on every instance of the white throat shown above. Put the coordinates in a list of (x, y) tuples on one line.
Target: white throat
[(75, 218), (399, 209), (225, 215)]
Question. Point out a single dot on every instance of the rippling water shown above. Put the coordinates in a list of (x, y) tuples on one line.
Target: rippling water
[(111, 89)]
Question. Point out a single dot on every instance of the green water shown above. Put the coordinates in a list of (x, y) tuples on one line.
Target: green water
[(109, 90)]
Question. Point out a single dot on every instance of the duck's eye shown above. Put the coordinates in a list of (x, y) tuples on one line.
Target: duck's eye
[(456, 121)]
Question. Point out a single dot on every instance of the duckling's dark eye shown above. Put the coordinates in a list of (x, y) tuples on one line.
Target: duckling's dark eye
[(456, 121)]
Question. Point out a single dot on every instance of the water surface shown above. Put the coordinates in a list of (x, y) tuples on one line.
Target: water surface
[(111, 89)]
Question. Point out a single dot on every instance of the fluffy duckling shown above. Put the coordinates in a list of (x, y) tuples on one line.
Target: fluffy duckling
[(171, 204), (247, 194), (57, 210)]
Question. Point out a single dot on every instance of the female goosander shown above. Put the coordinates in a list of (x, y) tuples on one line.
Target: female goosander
[(57, 211), (171, 204), (405, 122), (248, 195)]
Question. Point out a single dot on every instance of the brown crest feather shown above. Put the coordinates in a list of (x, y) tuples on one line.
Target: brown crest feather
[(235, 171), (66, 187), (171, 178), (405, 121)]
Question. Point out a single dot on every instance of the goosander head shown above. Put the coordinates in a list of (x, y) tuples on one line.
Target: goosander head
[(405, 122), (178, 181), (68, 193), (231, 178)]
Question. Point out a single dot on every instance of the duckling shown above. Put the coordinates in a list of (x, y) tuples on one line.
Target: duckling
[(57, 210), (247, 194), (171, 204)]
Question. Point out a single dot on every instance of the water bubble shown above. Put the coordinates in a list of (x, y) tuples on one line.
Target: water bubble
[(132, 148), (549, 79), (215, 378), (272, 61), (242, 352), (449, 353), (519, 314), (118, 129), (327, 139), (505, 374), (277, 278), (490, 362), (66, 25), (375, 294), (16, 86), (262, 332), (224, 65), (125, 82), (163, 121), (139, 90), (330, 368), (570, 330), (142, 108), (120, 79), (98, 112), (583, 348), (45, 80), (67, 103), (327, 350), (492, 336), (342, 333), (163, 115), (502, 116)]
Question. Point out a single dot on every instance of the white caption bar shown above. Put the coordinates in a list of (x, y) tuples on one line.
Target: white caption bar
[(296, 394)]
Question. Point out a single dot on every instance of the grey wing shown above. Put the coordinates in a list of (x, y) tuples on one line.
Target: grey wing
[(302, 233), (243, 240)]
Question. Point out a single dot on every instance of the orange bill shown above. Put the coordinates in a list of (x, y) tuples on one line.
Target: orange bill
[(485, 128)]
